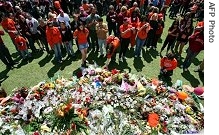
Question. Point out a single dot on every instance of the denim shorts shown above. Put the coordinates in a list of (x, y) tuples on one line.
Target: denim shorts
[(83, 46)]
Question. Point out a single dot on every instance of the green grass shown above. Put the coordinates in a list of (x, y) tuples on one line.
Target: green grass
[(42, 67)]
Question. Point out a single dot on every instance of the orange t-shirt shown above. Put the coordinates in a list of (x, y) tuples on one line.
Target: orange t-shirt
[(131, 10), (115, 43), (200, 24), (81, 36), (123, 28), (21, 43), (168, 64), (142, 34), (9, 25), (53, 36)]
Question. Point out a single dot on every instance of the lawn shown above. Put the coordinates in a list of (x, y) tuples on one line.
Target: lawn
[(42, 66)]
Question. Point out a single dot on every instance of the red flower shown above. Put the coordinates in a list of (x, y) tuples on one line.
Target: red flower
[(114, 71), (36, 133), (73, 126), (79, 74), (88, 99), (80, 89)]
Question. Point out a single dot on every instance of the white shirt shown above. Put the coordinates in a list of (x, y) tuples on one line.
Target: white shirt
[(32, 24), (66, 19)]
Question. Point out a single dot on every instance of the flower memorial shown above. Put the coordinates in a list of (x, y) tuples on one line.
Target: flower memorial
[(103, 102)]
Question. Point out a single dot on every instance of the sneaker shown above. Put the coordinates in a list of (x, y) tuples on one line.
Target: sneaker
[(186, 69), (124, 57), (139, 56), (198, 70), (136, 56)]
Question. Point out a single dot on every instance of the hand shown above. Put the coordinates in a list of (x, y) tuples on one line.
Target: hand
[(133, 28), (164, 70)]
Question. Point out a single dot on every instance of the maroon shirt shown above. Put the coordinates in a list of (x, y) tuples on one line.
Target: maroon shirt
[(196, 42)]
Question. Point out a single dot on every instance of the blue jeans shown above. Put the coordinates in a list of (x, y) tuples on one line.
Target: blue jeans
[(102, 43), (189, 57), (69, 49), (139, 45), (58, 53)]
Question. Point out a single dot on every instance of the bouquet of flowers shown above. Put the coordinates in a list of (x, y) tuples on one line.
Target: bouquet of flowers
[(67, 119)]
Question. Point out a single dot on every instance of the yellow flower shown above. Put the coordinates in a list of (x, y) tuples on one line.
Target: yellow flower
[(60, 113)]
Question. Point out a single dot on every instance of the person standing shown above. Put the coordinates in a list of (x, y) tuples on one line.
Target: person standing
[(33, 24), (126, 33), (81, 34), (101, 35), (64, 17), (9, 26), (196, 45), (152, 33), (54, 39), (142, 31), (91, 22), (21, 43), (111, 20), (183, 36), (42, 31), (173, 32), (5, 55), (67, 39)]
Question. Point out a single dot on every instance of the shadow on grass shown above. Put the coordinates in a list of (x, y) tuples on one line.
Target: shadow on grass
[(196, 62), (138, 64), (15, 55), (66, 63), (130, 52), (45, 60), (123, 66), (37, 55), (93, 55), (201, 77), (77, 72), (3, 75), (188, 76), (153, 53), (160, 40), (53, 70), (146, 55), (113, 65), (22, 63)]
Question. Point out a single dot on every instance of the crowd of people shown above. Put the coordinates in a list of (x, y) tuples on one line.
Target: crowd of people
[(137, 24)]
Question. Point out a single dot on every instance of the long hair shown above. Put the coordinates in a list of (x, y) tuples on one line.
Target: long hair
[(78, 28)]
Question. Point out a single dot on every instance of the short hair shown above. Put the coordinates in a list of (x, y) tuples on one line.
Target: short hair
[(111, 7), (143, 18), (123, 8), (170, 56)]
